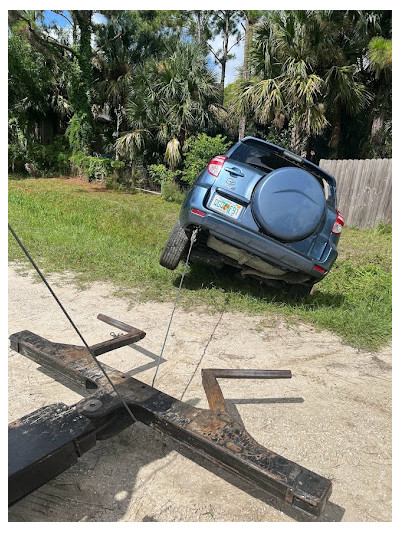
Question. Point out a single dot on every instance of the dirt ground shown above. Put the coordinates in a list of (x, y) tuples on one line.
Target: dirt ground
[(333, 416)]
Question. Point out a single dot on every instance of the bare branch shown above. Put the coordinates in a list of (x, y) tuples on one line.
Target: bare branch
[(213, 53), (221, 17), (110, 41), (45, 38), (234, 44), (58, 12)]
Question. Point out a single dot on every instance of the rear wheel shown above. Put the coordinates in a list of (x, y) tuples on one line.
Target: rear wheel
[(299, 291), (174, 248)]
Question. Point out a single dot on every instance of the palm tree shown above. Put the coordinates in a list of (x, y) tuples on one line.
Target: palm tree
[(170, 99), (127, 40), (304, 74), (250, 20), (380, 126)]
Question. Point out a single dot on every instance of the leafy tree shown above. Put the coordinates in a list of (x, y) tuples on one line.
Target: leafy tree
[(224, 23), (380, 126), (77, 55), (171, 99), (205, 26), (251, 18), (127, 40), (140, 83)]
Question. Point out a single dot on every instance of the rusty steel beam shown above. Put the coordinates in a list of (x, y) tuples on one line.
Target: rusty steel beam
[(133, 335), (212, 433), (215, 398)]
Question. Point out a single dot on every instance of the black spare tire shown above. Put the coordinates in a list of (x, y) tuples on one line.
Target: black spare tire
[(288, 203)]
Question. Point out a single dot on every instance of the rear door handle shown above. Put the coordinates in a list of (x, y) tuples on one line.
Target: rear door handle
[(235, 171)]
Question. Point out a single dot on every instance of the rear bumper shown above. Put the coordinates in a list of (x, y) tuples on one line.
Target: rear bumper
[(272, 251)]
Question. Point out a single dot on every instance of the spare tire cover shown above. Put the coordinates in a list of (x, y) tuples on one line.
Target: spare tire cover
[(288, 203)]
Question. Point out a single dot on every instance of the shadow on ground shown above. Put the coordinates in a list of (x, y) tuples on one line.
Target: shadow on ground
[(204, 277)]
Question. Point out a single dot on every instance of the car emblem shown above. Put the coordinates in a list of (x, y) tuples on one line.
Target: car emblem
[(230, 183)]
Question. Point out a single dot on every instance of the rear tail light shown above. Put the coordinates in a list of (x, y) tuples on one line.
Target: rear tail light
[(339, 223), (215, 165), (319, 269), (198, 212)]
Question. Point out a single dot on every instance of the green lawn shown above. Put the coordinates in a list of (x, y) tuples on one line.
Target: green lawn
[(68, 225)]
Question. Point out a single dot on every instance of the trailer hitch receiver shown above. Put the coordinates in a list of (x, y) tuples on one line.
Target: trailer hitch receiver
[(51, 439)]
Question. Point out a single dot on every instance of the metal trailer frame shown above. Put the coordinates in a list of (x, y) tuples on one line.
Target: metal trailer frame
[(50, 440)]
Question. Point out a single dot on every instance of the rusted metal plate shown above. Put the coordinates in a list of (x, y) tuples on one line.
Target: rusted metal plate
[(43, 444)]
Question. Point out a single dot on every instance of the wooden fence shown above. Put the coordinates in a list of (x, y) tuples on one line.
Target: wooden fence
[(364, 190)]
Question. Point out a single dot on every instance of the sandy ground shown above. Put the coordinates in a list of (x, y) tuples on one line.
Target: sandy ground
[(333, 416)]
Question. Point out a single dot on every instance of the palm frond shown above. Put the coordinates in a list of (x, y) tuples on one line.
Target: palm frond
[(172, 153), (132, 143)]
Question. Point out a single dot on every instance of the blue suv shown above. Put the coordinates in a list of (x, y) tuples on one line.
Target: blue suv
[(264, 210)]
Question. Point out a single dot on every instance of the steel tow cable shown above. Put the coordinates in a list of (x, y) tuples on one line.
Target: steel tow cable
[(71, 321), (192, 241)]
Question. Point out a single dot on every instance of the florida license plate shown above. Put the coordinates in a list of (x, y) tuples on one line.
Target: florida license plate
[(223, 205)]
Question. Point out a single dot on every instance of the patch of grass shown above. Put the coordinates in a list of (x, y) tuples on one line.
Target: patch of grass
[(118, 237), (95, 233)]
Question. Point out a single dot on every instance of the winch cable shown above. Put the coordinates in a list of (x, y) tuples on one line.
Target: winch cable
[(71, 321), (192, 241)]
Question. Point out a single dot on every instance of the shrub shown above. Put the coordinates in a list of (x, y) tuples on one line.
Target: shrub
[(16, 158), (171, 192), (160, 174), (167, 179), (117, 166), (43, 160), (199, 150), (96, 167), (383, 228)]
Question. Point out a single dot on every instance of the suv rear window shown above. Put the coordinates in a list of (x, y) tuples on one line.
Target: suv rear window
[(260, 156)]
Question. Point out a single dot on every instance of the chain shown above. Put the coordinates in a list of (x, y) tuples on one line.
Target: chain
[(192, 241)]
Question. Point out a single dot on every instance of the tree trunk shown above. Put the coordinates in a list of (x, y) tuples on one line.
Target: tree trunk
[(377, 123), (242, 127), (224, 58), (248, 35), (296, 140), (222, 84), (335, 136), (309, 154), (198, 16), (81, 128)]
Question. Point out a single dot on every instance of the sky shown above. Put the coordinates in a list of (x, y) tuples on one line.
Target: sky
[(231, 67), (233, 64)]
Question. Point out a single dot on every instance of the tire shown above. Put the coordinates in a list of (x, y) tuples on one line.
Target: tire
[(175, 247), (299, 291), (288, 204)]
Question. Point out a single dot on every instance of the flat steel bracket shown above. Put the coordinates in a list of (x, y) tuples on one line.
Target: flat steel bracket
[(50, 440)]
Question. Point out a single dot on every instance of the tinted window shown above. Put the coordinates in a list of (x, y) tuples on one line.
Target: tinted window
[(260, 156)]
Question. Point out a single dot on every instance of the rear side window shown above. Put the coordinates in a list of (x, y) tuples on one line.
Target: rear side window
[(260, 156)]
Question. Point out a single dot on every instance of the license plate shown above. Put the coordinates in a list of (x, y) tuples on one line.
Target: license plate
[(223, 205)]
